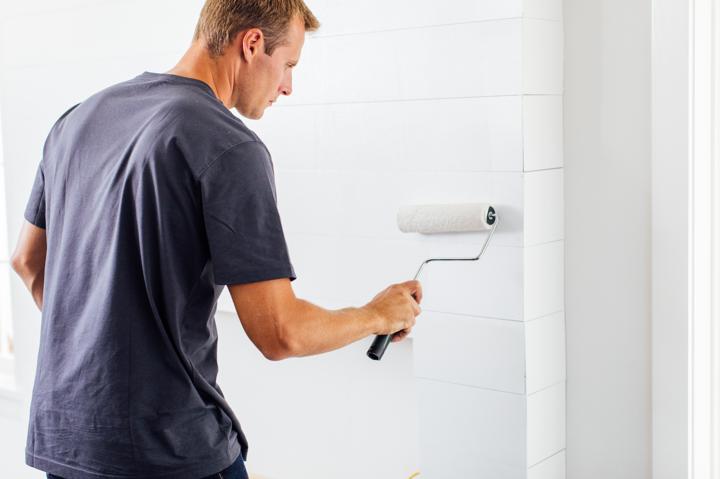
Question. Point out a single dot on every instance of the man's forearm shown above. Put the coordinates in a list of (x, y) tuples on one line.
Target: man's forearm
[(34, 280), (315, 330), (28, 260)]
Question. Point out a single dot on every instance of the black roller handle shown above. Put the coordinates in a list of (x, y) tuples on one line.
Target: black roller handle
[(379, 346)]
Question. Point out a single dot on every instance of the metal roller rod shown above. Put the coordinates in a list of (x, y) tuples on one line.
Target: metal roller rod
[(381, 342)]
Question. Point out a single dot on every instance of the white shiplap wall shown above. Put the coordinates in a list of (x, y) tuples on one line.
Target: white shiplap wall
[(420, 105), (394, 102)]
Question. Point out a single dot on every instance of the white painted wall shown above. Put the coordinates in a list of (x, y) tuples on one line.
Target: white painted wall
[(421, 122), (422, 103), (607, 256)]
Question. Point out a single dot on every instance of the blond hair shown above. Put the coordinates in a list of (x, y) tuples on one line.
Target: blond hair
[(221, 20)]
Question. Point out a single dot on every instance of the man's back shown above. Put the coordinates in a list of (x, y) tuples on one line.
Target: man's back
[(153, 196)]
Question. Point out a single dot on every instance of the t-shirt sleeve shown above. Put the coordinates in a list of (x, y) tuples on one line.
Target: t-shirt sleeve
[(243, 226), (35, 209)]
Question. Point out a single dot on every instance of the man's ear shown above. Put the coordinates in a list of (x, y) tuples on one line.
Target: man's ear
[(252, 42)]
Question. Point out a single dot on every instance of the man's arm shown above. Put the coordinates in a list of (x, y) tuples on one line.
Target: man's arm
[(28, 260), (283, 326)]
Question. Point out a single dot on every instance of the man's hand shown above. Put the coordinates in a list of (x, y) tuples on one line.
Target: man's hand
[(397, 306)]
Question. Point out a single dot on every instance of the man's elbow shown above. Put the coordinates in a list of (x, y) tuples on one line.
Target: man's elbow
[(284, 347), (19, 264), (276, 354)]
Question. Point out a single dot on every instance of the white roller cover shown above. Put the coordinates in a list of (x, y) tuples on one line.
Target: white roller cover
[(447, 218)]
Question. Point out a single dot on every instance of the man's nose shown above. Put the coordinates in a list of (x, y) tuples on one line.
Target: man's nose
[(286, 87)]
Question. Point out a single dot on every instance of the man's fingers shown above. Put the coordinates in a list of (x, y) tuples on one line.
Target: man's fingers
[(415, 289), (400, 335)]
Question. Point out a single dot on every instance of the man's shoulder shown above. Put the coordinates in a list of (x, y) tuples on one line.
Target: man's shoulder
[(178, 99), (163, 115), (196, 113), (210, 131)]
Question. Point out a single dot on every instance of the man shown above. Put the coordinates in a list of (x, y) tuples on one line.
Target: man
[(151, 197)]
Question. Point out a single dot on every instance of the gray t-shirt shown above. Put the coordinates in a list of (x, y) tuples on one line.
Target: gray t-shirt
[(153, 196)]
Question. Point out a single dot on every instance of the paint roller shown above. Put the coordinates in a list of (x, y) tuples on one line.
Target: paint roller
[(446, 218)]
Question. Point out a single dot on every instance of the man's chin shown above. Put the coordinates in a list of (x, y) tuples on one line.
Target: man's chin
[(251, 115)]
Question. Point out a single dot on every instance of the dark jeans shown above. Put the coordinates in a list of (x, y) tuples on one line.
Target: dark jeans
[(235, 471)]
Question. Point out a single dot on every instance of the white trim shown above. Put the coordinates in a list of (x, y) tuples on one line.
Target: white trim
[(715, 251), (700, 241), (6, 326), (670, 248), (7, 372)]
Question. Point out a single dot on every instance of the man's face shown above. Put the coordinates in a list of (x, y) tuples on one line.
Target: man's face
[(269, 76)]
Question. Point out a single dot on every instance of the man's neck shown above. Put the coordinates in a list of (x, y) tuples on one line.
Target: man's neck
[(197, 64)]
